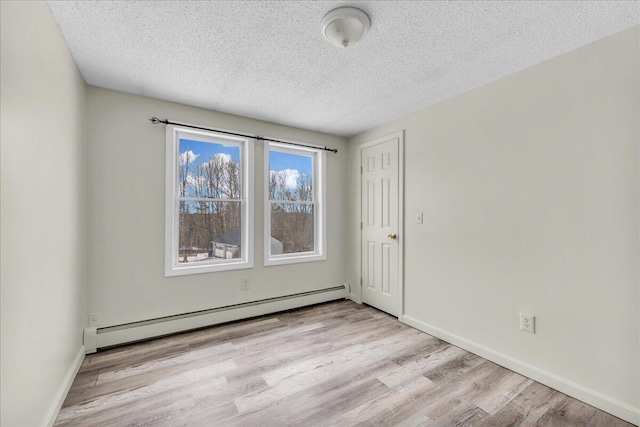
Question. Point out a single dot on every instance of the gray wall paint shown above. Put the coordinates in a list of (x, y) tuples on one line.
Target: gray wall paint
[(43, 244), (530, 193), (125, 212)]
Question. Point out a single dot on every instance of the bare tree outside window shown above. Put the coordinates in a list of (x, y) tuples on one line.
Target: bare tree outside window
[(209, 202), (291, 195)]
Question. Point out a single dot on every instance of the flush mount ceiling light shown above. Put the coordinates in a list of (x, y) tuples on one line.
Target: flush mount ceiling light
[(345, 26)]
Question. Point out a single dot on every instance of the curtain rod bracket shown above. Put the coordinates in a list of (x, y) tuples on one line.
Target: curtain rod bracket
[(156, 121)]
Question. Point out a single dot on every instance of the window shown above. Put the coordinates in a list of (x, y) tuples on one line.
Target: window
[(294, 221), (209, 214)]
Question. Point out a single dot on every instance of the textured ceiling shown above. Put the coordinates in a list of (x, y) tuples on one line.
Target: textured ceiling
[(268, 60)]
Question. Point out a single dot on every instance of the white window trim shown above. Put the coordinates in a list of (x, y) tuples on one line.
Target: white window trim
[(320, 220), (171, 265)]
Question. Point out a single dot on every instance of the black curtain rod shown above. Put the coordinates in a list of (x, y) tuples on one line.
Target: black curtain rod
[(156, 121)]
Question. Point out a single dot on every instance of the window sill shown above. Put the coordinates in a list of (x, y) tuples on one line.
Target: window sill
[(294, 259), (207, 268)]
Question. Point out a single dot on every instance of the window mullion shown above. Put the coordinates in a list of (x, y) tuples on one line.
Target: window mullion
[(293, 202), (207, 199)]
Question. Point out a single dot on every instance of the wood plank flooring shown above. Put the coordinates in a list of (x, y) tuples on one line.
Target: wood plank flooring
[(334, 364)]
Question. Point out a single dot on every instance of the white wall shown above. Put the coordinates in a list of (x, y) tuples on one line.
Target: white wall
[(42, 135), (530, 193), (125, 211)]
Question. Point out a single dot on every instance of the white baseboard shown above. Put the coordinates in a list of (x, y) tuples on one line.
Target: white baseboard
[(107, 337), (354, 298), (605, 403), (64, 389)]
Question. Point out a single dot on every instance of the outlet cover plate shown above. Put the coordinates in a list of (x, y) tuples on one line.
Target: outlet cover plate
[(528, 323), (245, 285)]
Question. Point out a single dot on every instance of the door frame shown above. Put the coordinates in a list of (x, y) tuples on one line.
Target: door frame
[(400, 136)]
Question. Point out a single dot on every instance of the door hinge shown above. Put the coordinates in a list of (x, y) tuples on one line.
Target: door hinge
[(361, 226), (361, 281), (360, 170)]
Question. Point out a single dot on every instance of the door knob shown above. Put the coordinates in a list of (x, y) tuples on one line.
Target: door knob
[(393, 236)]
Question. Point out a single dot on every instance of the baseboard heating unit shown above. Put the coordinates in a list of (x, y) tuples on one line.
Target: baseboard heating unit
[(96, 338)]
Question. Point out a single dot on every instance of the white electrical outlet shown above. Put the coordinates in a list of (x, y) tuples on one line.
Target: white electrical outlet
[(528, 323), (94, 319), (419, 218), (245, 285)]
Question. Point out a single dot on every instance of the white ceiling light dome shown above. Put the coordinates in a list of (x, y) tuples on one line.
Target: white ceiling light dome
[(345, 26)]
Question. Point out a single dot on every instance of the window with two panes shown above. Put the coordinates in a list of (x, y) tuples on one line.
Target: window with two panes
[(207, 204), (293, 215)]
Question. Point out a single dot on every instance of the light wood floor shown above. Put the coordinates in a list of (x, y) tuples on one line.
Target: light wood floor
[(331, 364)]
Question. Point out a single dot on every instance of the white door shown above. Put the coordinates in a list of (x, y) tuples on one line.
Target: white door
[(380, 238)]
